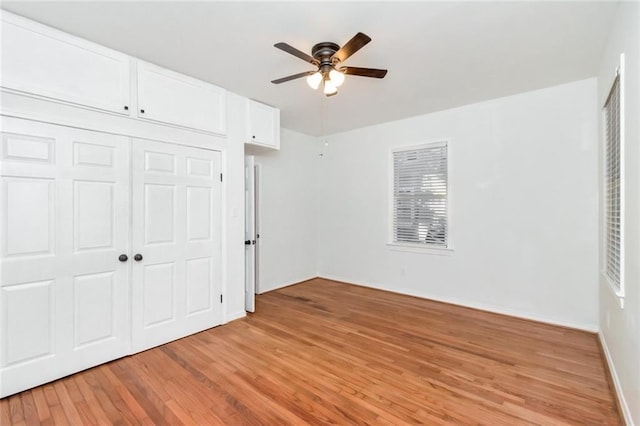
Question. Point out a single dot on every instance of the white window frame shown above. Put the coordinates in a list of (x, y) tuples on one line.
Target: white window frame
[(419, 247), (619, 291)]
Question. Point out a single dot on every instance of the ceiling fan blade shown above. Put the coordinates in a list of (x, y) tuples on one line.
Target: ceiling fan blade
[(292, 77), (352, 46), (364, 72), (297, 53)]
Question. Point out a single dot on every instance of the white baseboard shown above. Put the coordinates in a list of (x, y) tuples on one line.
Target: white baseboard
[(624, 406), (591, 328), (286, 284), (235, 316)]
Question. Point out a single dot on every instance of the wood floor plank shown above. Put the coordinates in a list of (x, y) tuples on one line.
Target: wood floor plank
[(324, 352), (143, 390), (90, 398), (103, 396), (50, 395), (5, 415), (42, 407), (125, 399), (14, 409), (66, 403), (29, 409)]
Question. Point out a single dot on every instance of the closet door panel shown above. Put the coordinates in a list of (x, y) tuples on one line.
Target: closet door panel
[(203, 250), (28, 309), (94, 308), (29, 283), (64, 216), (159, 299), (176, 228), (99, 220), (29, 216), (198, 293)]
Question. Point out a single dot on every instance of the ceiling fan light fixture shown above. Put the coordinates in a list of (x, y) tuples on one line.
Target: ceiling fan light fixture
[(314, 80), (326, 56), (330, 88), (336, 77)]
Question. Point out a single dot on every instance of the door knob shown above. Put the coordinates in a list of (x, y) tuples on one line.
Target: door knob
[(123, 258), (137, 257), (247, 242)]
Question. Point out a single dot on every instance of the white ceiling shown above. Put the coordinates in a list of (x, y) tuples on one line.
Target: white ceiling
[(439, 54)]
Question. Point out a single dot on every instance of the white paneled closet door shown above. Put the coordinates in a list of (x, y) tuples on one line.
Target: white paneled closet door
[(177, 233), (64, 219)]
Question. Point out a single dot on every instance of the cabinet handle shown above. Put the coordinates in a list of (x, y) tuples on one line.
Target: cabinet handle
[(137, 257), (126, 108), (123, 258), (253, 137), (142, 111)]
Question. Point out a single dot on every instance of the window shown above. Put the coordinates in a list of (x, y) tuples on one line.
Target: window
[(420, 196), (613, 186)]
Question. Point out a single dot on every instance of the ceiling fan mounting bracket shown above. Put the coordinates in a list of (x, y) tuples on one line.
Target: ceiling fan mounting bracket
[(324, 51)]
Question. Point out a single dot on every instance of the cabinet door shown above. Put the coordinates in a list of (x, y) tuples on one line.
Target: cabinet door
[(264, 124), (40, 60), (64, 217), (169, 97), (177, 231)]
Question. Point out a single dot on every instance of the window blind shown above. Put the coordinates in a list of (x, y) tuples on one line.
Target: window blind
[(420, 191), (612, 184)]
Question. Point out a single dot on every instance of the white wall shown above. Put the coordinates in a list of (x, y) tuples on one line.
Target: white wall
[(525, 212), (620, 328), (288, 211)]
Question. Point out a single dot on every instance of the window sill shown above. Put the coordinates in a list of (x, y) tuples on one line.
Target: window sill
[(411, 248), (614, 289)]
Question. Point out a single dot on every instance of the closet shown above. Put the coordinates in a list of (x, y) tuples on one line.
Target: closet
[(99, 262), (111, 242)]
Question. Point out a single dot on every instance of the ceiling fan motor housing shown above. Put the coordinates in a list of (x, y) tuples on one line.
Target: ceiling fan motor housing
[(324, 51)]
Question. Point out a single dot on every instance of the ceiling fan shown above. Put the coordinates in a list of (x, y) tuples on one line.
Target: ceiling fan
[(328, 56)]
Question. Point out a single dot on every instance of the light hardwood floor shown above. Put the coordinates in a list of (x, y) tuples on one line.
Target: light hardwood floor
[(326, 352)]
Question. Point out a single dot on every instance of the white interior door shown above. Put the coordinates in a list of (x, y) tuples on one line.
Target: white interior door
[(249, 234), (176, 286), (65, 221)]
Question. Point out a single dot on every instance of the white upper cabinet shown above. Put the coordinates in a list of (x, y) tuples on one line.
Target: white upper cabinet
[(263, 125), (168, 97), (42, 61), (37, 60)]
